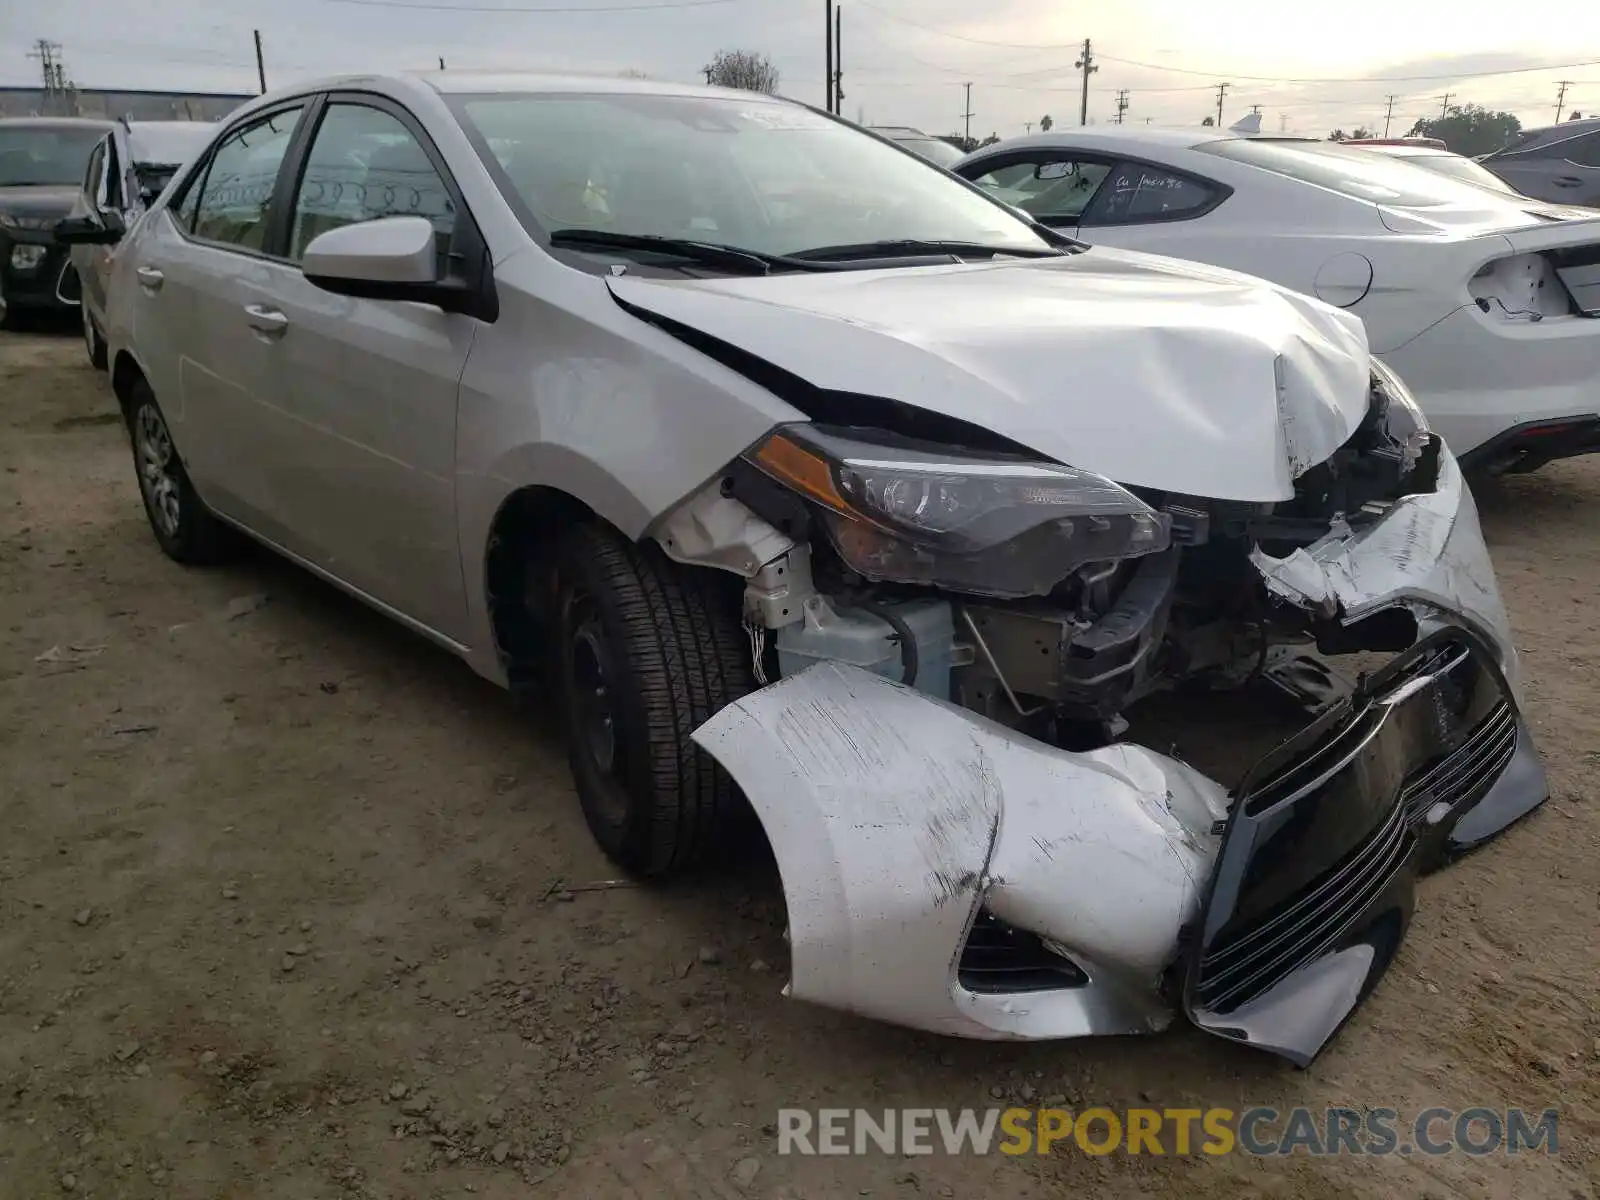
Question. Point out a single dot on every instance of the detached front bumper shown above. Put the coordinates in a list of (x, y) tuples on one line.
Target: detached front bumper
[(36, 272), (950, 874)]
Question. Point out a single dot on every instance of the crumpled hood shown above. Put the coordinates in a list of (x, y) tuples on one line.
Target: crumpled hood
[(1154, 372)]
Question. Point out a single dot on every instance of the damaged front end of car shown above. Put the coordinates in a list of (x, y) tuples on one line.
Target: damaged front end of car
[(962, 645)]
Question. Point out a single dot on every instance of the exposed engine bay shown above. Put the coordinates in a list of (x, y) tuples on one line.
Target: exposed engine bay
[(1060, 659), (956, 648)]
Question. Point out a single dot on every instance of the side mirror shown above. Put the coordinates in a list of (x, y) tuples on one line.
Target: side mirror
[(89, 231), (391, 258), (1055, 170)]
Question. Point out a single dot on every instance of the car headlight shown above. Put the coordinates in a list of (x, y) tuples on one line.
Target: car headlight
[(27, 258), (7, 221), (904, 512), (13, 221)]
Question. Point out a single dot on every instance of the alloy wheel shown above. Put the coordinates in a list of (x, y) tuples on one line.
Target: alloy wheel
[(158, 469)]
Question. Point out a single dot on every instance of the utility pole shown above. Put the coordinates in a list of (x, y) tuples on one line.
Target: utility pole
[(1283, 122), (1444, 109), (261, 64), (1122, 103), (1561, 98), (1388, 115), (1222, 90), (1087, 65), (1027, 126), (48, 54), (827, 35), (441, 62), (967, 115), (838, 59)]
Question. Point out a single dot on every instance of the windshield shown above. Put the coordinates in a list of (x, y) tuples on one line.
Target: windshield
[(1463, 169), (933, 149), (45, 155), (757, 174), (1348, 170)]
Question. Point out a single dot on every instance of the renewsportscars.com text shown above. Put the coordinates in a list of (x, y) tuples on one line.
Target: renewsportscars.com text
[(1163, 1131)]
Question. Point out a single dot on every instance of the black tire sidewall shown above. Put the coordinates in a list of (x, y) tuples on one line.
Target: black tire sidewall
[(628, 841)]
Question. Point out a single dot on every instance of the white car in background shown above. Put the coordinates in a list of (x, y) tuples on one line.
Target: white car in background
[(128, 168), (1488, 305)]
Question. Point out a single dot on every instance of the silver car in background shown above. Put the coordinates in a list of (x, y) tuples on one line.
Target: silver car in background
[(813, 483), (128, 168)]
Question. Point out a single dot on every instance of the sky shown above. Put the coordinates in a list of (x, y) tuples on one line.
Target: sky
[(905, 61)]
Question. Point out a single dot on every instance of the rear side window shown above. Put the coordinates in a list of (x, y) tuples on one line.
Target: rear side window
[(1136, 192), (1585, 150), (236, 196)]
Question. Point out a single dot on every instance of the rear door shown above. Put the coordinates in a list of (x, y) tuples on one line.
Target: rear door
[(202, 268), (363, 391)]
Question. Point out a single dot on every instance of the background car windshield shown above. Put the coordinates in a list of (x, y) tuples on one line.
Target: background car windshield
[(933, 149), (760, 174), (45, 156), (1465, 170), (1349, 170)]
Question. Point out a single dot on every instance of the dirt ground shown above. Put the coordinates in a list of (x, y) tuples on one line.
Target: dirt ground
[(294, 905)]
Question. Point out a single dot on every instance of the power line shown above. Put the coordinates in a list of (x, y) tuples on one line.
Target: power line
[(894, 16), (1128, 62), (1561, 98), (564, 8), (1122, 104), (1222, 90), (1388, 115)]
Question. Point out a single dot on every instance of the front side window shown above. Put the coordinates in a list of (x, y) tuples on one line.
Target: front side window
[(754, 173), (365, 164), (237, 192), (1585, 151), (1138, 192), (1054, 187), (46, 155)]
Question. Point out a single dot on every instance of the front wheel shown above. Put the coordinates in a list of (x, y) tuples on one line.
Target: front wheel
[(185, 528), (648, 651)]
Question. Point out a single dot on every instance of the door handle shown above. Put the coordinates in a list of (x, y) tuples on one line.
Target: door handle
[(265, 320), (1567, 181), (151, 277)]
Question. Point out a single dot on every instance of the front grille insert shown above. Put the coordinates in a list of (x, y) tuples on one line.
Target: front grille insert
[(1253, 958), (999, 958), (1468, 771)]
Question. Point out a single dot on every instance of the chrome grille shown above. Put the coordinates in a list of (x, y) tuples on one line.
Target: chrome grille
[(1467, 771)]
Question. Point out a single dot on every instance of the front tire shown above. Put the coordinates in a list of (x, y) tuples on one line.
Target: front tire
[(186, 529), (648, 651)]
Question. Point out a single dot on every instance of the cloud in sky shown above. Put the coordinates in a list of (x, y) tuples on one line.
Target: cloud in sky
[(905, 61)]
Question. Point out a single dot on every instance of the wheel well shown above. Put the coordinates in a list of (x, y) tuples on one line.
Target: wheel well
[(124, 374), (521, 551)]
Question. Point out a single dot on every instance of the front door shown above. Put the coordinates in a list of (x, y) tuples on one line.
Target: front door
[(366, 390)]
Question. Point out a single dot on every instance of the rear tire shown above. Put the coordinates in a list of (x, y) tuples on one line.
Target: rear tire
[(647, 651), (93, 342), (186, 529)]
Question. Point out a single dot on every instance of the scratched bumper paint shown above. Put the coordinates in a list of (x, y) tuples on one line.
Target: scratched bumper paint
[(895, 818)]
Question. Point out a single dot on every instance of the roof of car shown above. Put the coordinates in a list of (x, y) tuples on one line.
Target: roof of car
[(454, 82), (168, 143), (1404, 151), (1121, 136)]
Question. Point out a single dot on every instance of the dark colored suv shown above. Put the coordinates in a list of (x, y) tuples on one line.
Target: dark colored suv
[(1559, 163), (42, 160)]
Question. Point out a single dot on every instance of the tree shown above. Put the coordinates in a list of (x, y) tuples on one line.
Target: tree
[(1576, 116), (1209, 121), (744, 69), (1338, 135), (1470, 129), (1046, 122), (1361, 134), (990, 140)]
